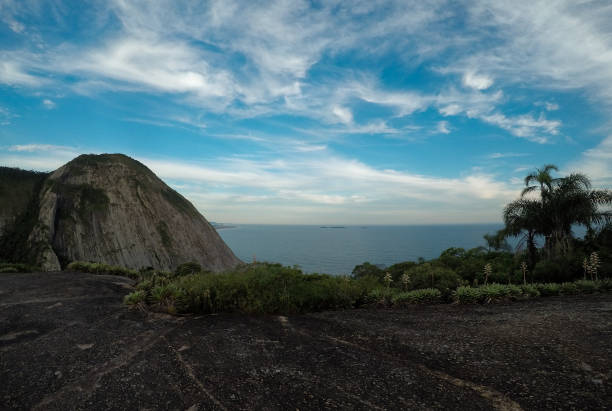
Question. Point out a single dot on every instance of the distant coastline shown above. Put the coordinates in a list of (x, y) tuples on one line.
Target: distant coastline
[(219, 226)]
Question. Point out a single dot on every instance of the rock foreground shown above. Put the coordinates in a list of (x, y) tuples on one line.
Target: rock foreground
[(68, 342), (112, 209)]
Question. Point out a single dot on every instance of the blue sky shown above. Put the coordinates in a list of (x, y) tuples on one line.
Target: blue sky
[(373, 112)]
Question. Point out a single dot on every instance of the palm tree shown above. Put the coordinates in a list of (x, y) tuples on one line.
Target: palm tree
[(571, 201), (523, 217), (542, 177), (563, 203)]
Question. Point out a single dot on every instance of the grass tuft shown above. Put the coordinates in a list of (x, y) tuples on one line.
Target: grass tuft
[(99, 268)]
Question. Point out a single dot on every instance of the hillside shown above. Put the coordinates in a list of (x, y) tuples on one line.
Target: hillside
[(112, 209)]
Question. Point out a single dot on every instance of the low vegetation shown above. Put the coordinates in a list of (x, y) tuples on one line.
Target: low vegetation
[(265, 288), (252, 289), (98, 268), (16, 268)]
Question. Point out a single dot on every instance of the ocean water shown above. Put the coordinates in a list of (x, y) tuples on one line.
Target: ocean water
[(339, 250)]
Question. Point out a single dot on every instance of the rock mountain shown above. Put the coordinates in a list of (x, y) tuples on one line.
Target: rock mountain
[(106, 208)]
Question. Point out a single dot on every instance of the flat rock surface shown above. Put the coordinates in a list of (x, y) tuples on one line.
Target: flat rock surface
[(68, 342)]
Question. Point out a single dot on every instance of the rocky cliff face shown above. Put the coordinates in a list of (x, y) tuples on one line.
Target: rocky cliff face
[(18, 188), (112, 209)]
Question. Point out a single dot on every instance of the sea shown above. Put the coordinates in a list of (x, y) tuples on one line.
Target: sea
[(338, 249)]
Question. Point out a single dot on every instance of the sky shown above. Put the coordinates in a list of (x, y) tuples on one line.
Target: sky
[(308, 112)]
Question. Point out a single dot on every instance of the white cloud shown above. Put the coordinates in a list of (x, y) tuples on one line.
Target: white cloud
[(31, 148), (451, 110), (551, 106), (343, 114), (405, 102), (159, 65), (442, 127), (251, 60), (525, 126), (49, 104), (477, 81), (562, 45), (42, 157), (494, 156), (16, 26), (13, 74), (374, 127)]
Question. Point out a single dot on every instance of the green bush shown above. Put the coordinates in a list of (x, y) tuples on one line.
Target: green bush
[(367, 270), (188, 268), (487, 293), (468, 295), (468, 264), (429, 275), (17, 268), (380, 296), (587, 286), (569, 289), (561, 269), (548, 289), (135, 298), (530, 290), (255, 289), (423, 296)]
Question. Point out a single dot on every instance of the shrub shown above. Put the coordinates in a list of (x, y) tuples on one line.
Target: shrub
[(530, 290), (568, 289), (548, 289), (367, 270), (587, 286), (487, 293), (135, 298), (558, 270), (492, 292), (605, 284), (423, 296), (98, 268), (397, 270), (17, 268), (255, 289), (468, 295), (380, 296), (428, 275), (188, 268)]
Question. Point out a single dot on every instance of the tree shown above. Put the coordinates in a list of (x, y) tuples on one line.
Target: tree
[(541, 176), (571, 201), (562, 203), (525, 218)]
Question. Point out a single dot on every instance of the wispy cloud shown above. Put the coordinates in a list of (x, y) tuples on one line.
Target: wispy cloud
[(494, 156), (526, 126), (5, 116), (563, 45)]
